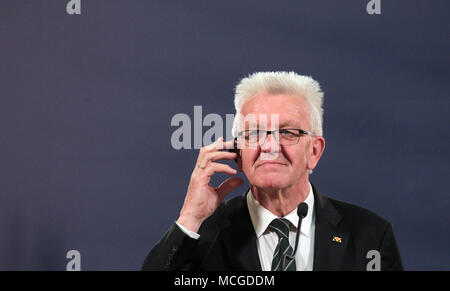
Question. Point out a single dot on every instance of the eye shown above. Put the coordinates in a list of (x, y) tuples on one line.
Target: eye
[(288, 133), (251, 134)]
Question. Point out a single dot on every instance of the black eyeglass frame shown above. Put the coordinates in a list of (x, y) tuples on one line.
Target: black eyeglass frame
[(267, 132)]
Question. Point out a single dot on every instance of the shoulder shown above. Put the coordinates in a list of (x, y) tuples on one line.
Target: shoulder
[(232, 208), (228, 211), (234, 204), (358, 217)]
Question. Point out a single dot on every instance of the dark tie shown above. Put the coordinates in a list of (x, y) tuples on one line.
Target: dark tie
[(281, 227)]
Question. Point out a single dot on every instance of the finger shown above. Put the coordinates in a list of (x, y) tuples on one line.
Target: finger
[(215, 145), (220, 144), (218, 168), (215, 156), (209, 148), (229, 185), (221, 155), (225, 145)]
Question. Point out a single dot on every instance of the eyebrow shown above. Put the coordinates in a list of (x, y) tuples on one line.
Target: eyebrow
[(286, 123)]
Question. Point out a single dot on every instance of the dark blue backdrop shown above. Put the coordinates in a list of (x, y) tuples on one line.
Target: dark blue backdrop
[(86, 103)]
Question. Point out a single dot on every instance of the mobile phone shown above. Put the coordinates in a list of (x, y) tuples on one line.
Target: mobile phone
[(234, 149)]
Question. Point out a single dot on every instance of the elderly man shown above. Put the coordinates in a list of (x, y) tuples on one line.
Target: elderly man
[(257, 231)]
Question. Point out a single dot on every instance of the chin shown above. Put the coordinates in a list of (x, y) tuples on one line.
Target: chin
[(270, 183)]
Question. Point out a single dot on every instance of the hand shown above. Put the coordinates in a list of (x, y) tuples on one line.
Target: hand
[(202, 199)]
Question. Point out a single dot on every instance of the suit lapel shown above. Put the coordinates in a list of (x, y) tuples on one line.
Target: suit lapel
[(330, 242), (240, 240)]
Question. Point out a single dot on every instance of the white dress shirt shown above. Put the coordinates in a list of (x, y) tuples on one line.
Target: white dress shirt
[(267, 240)]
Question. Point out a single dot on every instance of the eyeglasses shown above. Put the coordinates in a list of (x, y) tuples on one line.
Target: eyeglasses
[(285, 136)]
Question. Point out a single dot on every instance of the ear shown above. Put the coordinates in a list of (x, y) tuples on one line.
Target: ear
[(317, 148)]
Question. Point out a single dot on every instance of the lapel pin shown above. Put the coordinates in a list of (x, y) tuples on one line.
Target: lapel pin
[(337, 239)]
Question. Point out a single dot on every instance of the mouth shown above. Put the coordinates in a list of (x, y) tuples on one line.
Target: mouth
[(270, 164)]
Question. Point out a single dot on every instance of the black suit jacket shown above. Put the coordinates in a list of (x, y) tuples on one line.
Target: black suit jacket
[(228, 240)]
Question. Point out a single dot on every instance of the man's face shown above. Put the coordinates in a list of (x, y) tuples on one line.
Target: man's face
[(269, 165)]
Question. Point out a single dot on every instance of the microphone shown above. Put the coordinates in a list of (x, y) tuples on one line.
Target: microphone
[(302, 211)]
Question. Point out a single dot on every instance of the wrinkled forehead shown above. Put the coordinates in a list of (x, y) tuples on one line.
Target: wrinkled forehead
[(275, 110)]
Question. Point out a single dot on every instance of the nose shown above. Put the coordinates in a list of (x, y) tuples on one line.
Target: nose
[(270, 144)]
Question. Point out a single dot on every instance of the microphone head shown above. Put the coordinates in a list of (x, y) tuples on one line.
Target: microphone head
[(302, 210)]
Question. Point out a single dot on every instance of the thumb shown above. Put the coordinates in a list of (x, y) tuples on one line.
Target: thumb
[(229, 185)]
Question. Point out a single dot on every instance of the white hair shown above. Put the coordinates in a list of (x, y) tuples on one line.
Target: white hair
[(281, 83)]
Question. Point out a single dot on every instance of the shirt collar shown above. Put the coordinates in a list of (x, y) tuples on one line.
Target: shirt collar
[(262, 217)]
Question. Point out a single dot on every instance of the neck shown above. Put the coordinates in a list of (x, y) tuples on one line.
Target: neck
[(281, 202)]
